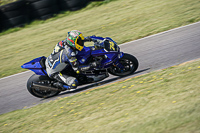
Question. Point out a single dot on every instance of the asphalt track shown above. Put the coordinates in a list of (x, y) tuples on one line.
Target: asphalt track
[(154, 52)]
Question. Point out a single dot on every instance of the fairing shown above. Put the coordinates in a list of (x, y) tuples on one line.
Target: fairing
[(35, 66), (83, 57)]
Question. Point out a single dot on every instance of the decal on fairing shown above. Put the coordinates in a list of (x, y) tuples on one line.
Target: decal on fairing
[(112, 46)]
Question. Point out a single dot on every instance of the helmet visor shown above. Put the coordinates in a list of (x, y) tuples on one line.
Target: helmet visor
[(79, 43)]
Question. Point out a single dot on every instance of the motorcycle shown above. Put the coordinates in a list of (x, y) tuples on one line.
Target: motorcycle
[(105, 52)]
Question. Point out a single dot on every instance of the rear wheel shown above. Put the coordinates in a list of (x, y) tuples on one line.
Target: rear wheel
[(36, 91), (129, 63)]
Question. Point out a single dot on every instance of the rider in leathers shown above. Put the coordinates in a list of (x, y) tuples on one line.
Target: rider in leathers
[(64, 54)]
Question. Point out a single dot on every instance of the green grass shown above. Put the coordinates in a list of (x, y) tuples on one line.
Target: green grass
[(121, 20), (165, 101), (4, 2)]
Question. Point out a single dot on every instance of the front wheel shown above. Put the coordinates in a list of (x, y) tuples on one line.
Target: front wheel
[(36, 91), (129, 63)]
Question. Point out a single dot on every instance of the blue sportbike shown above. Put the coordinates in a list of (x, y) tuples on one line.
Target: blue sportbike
[(105, 52)]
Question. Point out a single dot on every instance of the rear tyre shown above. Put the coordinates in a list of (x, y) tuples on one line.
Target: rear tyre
[(37, 92), (42, 4), (130, 64), (38, 14), (62, 4), (18, 21), (12, 14), (76, 4), (13, 6)]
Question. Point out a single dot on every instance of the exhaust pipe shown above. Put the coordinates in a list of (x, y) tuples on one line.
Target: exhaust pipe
[(44, 87)]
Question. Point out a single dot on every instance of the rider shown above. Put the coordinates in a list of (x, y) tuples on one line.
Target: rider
[(64, 54)]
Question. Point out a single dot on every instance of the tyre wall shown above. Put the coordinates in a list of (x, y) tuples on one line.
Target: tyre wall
[(21, 12), (13, 14)]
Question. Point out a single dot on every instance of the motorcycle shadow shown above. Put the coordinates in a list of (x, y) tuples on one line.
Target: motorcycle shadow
[(97, 84)]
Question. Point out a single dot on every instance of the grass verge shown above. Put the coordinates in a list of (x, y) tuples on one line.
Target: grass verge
[(161, 101), (4, 2), (121, 20)]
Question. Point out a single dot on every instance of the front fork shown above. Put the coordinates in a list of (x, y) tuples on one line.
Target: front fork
[(117, 63)]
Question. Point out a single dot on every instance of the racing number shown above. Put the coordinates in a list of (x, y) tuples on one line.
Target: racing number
[(112, 46)]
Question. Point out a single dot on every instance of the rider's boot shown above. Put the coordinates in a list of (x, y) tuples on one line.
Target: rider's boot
[(65, 82), (61, 86)]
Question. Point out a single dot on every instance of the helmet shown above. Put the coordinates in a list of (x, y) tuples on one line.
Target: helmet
[(75, 39)]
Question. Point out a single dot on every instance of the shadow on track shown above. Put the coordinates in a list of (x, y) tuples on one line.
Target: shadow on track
[(89, 86)]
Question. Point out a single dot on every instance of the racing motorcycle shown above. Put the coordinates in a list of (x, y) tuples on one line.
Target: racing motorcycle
[(105, 52)]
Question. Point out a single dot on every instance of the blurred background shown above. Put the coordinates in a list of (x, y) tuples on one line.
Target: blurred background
[(16, 13)]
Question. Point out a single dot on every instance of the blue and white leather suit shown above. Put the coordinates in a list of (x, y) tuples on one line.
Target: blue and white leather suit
[(62, 56)]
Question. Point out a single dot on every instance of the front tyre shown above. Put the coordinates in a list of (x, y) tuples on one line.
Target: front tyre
[(36, 91), (129, 63)]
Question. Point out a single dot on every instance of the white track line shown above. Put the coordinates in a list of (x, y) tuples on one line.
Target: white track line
[(15, 75), (122, 44), (160, 33)]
